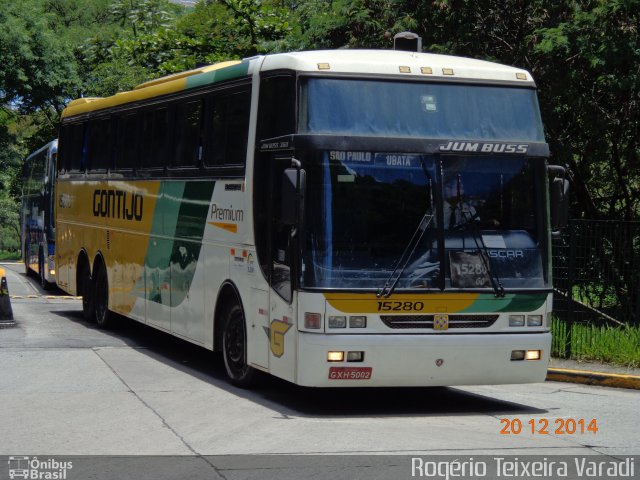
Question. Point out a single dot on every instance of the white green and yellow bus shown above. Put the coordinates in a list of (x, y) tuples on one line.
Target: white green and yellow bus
[(333, 218), (37, 222)]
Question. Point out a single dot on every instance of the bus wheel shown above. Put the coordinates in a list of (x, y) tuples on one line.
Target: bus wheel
[(43, 274), (85, 289), (104, 318), (234, 347)]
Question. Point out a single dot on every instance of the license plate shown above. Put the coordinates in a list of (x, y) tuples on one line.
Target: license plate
[(350, 373)]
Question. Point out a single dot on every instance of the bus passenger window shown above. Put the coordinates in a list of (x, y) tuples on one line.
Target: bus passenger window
[(64, 149), (155, 131), (75, 148), (99, 146), (188, 138), (127, 138), (230, 125)]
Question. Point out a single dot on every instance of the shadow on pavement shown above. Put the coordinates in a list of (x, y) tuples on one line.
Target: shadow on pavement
[(289, 399)]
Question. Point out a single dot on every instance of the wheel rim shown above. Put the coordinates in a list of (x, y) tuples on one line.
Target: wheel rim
[(234, 345)]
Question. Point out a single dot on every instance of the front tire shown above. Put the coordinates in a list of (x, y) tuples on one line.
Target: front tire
[(234, 348)]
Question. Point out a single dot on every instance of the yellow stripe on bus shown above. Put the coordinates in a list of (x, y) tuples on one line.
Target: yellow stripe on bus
[(229, 227), (370, 303)]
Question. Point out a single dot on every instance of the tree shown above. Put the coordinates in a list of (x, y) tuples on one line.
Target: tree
[(37, 71), (592, 86)]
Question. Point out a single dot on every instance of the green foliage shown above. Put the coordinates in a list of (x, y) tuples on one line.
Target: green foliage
[(344, 24), (584, 56), (36, 69), (590, 86), (618, 345)]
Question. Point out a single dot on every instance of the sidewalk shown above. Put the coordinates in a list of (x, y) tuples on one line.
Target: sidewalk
[(588, 373)]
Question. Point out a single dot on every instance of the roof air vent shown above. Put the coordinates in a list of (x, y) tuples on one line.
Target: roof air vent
[(407, 41)]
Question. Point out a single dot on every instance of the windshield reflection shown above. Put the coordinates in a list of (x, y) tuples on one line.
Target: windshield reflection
[(363, 208)]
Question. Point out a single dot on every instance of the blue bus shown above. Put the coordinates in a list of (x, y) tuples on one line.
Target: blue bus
[(37, 215)]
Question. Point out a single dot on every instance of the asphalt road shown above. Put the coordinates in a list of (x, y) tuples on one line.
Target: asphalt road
[(67, 388)]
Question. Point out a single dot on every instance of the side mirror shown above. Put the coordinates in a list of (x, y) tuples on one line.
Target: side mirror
[(559, 197), (294, 184)]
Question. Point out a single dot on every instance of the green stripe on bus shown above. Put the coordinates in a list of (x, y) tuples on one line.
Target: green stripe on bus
[(511, 302), (215, 76), (175, 239), (189, 230)]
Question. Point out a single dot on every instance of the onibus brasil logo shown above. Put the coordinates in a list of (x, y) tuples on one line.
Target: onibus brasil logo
[(33, 468)]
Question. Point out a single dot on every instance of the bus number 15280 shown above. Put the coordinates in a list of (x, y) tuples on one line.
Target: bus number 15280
[(399, 306)]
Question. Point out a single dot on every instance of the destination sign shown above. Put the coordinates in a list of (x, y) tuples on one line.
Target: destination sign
[(380, 160), (402, 160)]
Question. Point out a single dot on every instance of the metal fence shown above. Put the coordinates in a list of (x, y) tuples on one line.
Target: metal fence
[(596, 270)]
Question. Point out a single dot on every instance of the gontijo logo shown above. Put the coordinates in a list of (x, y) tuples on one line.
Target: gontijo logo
[(113, 203), (32, 468)]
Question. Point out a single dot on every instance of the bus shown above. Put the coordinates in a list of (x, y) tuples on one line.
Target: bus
[(288, 210), (37, 215)]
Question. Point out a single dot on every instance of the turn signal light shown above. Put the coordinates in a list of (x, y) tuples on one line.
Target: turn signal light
[(312, 321)]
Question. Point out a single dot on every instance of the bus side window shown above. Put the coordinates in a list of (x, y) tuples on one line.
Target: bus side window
[(188, 136), (228, 128), (276, 117), (155, 136), (127, 138), (64, 144), (75, 149), (276, 111), (99, 145)]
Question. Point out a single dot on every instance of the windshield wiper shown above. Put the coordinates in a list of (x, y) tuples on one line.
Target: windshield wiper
[(498, 289), (392, 281)]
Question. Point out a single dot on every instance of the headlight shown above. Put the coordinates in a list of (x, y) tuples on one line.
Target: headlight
[(358, 321), (534, 320), (337, 321)]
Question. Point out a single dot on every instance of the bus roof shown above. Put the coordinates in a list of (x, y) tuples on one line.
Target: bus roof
[(395, 62), (365, 62)]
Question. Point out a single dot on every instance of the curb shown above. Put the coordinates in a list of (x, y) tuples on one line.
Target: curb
[(600, 379)]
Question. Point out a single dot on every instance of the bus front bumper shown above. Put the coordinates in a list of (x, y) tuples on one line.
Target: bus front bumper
[(421, 360)]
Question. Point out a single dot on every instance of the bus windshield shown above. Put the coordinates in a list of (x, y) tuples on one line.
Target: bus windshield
[(420, 109), (362, 209)]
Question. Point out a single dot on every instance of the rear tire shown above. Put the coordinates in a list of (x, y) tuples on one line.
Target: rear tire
[(85, 290), (104, 318), (234, 349)]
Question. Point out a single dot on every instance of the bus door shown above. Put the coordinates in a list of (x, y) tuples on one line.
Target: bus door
[(282, 311)]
